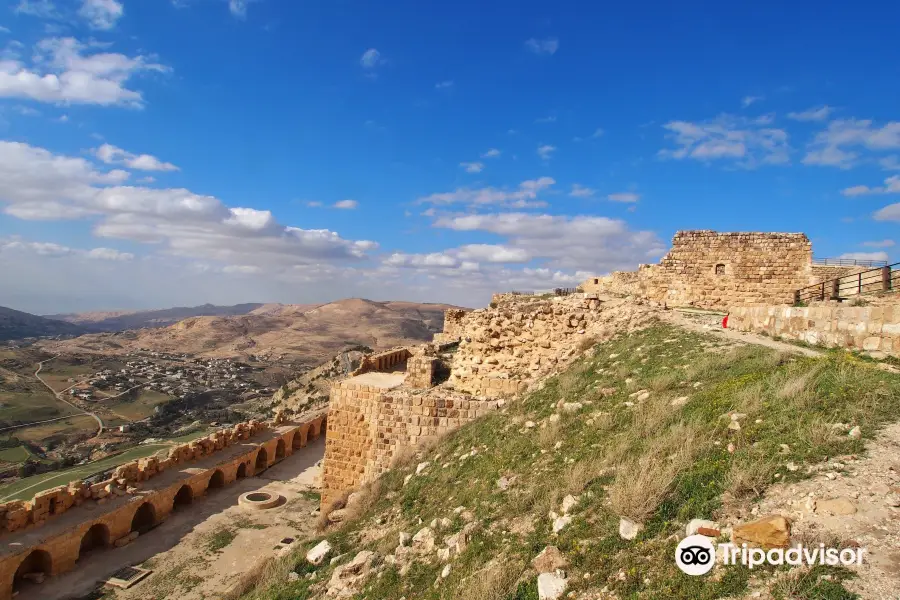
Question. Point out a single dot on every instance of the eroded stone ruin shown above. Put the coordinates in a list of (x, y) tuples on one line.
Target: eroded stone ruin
[(47, 535)]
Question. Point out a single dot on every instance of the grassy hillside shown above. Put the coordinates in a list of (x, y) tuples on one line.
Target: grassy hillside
[(640, 428)]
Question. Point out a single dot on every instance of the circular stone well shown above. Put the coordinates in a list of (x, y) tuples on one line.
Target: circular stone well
[(260, 500)]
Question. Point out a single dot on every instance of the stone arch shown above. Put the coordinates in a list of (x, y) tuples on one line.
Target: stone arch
[(299, 440), (720, 269), (95, 538), (279, 449), (144, 518), (37, 563), (241, 471), (216, 480), (262, 460), (315, 428), (183, 497)]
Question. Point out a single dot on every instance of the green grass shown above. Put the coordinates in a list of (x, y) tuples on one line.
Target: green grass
[(654, 462), (15, 455), (24, 489), (27, 407), (219, 539), (139, 408)]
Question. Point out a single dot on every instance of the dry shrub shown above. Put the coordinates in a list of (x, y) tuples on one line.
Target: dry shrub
[(749, 476), (749, 399), (650, 417), (663, 381), (817, 433), (707, 365), (570, 384), (549, 435), (579, 475), (797, 385), (271, 572), (496, 581), (642, 482)]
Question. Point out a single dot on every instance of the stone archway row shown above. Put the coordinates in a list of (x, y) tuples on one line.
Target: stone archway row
[(124, 524)]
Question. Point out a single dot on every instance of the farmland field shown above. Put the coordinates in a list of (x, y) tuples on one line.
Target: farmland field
[(24, 489), (139, 408)]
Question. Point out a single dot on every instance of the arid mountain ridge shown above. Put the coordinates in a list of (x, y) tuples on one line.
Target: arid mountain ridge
[(301, 332)]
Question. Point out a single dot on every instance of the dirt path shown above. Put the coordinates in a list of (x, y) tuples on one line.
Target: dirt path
[(199, 552), (59, 395), (851, 501)]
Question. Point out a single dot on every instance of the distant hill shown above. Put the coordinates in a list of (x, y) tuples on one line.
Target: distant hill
[(15, 324), (304, 332), (139, 319)]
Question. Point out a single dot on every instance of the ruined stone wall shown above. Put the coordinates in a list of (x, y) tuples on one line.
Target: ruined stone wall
[(420, 371), (453, 319), (109, 520), (873, 328), (382, 361), (368, 426), (523, 338), (718, 270)]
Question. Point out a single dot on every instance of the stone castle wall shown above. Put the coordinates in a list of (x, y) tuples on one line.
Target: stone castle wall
[(718, 270), (383, 361), (19, 514), (523, 338), (369, 425), (116, 512), (827, 272), (871, 328)]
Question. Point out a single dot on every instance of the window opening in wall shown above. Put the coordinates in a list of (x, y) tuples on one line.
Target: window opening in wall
[(720, 269)]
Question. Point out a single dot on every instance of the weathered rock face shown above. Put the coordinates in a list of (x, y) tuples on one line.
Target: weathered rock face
[(347, 579), (524, 338), (719, 270)]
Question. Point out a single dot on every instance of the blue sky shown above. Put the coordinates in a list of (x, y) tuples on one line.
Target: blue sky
[(156, 152)]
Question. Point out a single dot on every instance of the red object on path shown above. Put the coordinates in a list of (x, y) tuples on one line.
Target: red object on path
[(725, 322)]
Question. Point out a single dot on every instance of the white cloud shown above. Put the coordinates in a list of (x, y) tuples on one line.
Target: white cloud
[(546, 151), (829, 147), (547, 46), (525, 196), (819, 113), (314, 204), (891, 186), (346, 204), (112, 155), (109, 254), (43, 9), (624, 197), (580, 243), (890, 163), (238, 8), (65, 72), (472, 167), (241, 269), (4, 29), (547, 119), (443, 85), (748, 100), (865, 256), (101, 14), (371, 58), (598, 133), (492, 153), (493, 253), (580, 191), (880, 244), (891, 212), (738, 140), (37, 184)]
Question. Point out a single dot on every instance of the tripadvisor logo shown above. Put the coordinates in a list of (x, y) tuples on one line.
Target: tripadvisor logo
[(696, 555)]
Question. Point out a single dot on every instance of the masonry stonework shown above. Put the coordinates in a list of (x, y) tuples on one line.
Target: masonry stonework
[(870, 328), (718, 270), (47, 535), (371, 420)]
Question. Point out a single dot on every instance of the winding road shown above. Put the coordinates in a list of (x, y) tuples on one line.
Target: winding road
[(59, 395)]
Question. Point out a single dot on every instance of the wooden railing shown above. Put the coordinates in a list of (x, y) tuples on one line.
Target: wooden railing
[(881, 279)]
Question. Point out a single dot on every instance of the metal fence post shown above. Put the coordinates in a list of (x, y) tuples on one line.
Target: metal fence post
[(835, 289), (886, 278)]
